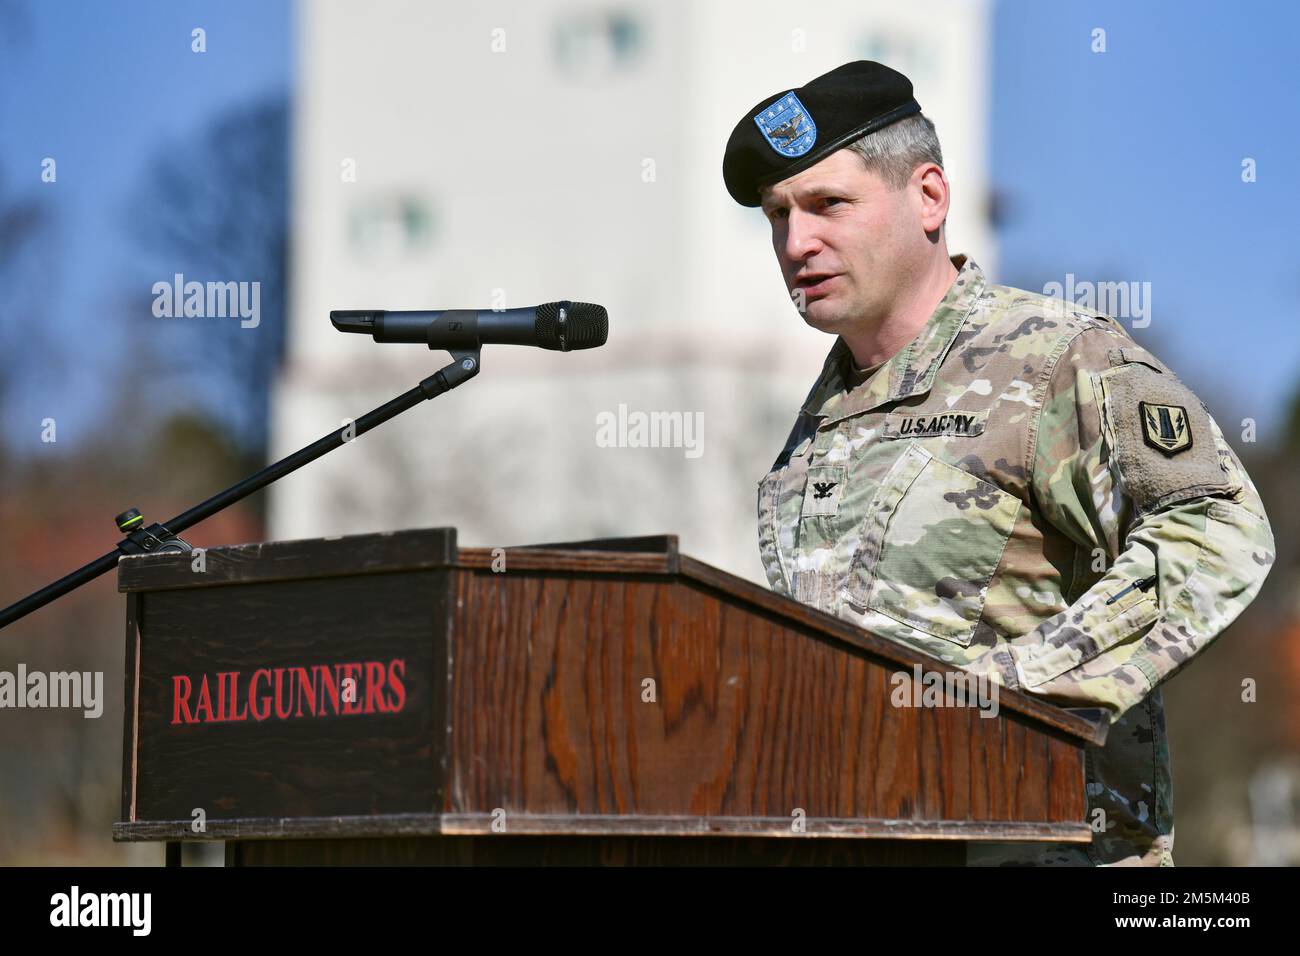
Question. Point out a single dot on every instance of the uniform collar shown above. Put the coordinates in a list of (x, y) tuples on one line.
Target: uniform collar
[(911, 370)]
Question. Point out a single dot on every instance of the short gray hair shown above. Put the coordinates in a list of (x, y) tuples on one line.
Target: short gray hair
[(895, 151)]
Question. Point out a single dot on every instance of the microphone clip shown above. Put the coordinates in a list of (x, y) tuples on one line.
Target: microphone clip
[(464, 366)]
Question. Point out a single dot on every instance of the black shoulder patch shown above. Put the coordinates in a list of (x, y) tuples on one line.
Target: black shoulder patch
[(1165, 428)]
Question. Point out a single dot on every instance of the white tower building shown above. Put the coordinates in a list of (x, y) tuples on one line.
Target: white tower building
[(485, 155)]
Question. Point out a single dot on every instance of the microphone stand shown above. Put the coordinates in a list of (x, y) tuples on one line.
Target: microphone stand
[(160, 538)]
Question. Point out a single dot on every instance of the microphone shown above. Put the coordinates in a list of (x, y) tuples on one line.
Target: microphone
[(560, 326)]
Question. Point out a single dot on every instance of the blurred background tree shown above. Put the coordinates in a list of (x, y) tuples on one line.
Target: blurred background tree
[(215, 208)]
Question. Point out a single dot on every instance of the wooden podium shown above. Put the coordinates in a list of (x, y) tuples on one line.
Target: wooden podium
[(390, 698)]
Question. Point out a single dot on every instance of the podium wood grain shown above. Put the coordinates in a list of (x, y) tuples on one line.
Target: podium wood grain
[(608, 701)]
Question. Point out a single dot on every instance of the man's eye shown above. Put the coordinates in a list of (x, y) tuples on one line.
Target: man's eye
[(830, 199), (776, 214)]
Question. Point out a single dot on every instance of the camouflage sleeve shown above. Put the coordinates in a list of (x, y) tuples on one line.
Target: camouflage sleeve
[(1171, 537)]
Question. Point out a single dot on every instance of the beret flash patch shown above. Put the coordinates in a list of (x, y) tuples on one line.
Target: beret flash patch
[(787, 126)]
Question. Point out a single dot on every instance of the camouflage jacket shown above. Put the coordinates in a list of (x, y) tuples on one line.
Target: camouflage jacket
[(1024, 492)]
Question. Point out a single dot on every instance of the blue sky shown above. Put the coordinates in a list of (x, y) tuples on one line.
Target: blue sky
[(1120, 165), (104, 87), (1127, 164)]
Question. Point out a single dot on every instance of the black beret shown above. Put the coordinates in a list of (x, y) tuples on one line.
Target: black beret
[(789, 132)]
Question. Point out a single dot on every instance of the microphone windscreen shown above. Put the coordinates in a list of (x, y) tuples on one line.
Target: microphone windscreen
[(571, 325)]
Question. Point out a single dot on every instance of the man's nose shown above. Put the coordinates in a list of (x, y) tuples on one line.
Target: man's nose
[(802, 238)]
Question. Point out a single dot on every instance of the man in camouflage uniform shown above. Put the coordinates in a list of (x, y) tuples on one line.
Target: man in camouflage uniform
[(1014, 486)]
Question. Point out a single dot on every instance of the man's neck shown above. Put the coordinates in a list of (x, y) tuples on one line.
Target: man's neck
[(878, 344)]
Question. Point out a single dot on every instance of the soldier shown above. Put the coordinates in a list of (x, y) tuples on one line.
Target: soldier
[(1000, 479)]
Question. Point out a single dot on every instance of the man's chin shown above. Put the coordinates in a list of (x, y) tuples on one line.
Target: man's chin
[(824, 319)]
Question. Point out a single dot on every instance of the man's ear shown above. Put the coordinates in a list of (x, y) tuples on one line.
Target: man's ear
[(935, 197)]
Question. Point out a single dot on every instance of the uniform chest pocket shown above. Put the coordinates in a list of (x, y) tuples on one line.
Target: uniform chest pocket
[(780, 499), (932, 539)]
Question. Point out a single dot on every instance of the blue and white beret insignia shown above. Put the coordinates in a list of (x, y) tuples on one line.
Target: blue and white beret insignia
[(787, 126)]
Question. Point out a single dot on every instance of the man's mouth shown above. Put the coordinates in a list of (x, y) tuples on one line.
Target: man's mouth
[(814, 283)]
